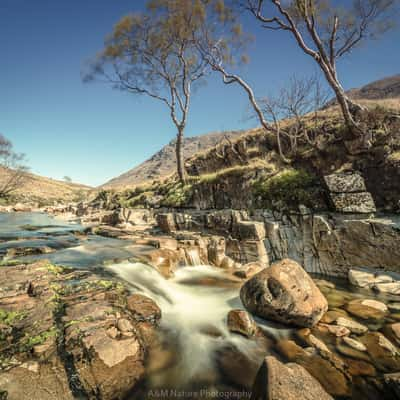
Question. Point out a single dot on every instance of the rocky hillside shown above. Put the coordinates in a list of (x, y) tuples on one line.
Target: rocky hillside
[(44, 190), (163, 162), (386, 88)]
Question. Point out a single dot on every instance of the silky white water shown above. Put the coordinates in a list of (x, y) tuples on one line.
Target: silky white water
[(195, 304), (193, 316)]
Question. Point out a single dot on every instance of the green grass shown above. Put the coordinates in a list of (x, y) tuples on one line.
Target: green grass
[(29, 342), (289, 188), (11, 317)]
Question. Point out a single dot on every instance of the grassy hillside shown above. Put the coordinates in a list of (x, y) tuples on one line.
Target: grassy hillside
[(43, 190)]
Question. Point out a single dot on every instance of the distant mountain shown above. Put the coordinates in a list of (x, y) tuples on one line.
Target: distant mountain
[(163, 163), (386, 88), (35, 188)]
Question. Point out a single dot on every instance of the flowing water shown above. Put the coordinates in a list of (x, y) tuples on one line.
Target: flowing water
[(196, 355), (194, 304)]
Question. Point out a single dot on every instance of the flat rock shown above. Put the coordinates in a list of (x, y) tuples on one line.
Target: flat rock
[(367, 309), (391, 288), (338, 331), (385, 355), (143, 308)]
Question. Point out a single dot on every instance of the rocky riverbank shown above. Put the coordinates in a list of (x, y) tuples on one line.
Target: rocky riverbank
[(67, 334)]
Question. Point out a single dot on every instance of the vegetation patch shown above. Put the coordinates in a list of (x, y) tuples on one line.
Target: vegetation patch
[(55, 269), (11, 317), (29, 342), (287, 189), (10, 263), (176, 194)]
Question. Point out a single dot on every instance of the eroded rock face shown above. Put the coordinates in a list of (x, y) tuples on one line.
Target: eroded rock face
[(285, 293), (277, 381), (166, 222)]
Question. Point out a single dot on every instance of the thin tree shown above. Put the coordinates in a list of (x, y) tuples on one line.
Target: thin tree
[(12, 168), (327, 32), (295, 113), (153, 54)]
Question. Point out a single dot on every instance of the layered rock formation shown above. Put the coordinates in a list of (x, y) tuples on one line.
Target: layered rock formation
[(329, 243), (67, 334)]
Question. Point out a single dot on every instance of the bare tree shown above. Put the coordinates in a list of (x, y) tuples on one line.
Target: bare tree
[(154, 55), (295, 113), (327, 32), (12, 168)]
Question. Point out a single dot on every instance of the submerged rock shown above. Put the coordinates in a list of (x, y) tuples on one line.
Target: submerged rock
[(277, 381), (393, 383), (325, 366), (285, 293), (353, 326), (367, 309), (355, 344), (385, 355), (240, 321)]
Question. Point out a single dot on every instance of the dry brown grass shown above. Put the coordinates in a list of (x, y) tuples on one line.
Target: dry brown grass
[(41, 188)]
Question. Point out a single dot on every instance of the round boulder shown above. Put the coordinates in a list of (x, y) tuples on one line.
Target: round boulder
[(285, 293)]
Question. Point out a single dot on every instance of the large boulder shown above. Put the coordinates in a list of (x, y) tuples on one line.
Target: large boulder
[(285, 293), (277, 381)]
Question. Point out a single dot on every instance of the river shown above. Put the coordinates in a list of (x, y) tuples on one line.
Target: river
[(197, 352)]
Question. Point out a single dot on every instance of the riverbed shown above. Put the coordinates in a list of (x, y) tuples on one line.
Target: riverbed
[(196, 355)]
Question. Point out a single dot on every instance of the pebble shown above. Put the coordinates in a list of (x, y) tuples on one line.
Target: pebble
[(353, 326), (338, 331), (317, 343), (355, 344), (375, 304)]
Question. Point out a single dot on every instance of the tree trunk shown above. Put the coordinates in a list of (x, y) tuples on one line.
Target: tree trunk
[(180, 163), (347, 106)]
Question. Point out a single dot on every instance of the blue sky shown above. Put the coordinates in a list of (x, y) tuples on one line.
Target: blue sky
[(93, 133)]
